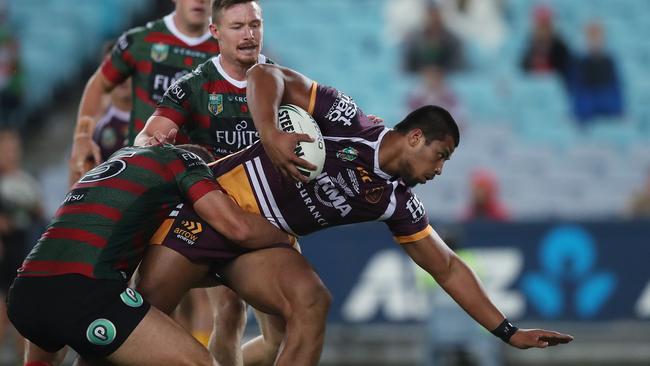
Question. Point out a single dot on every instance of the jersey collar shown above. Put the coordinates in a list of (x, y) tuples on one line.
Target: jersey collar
[(190, 41), (241, 84), (378, 170)]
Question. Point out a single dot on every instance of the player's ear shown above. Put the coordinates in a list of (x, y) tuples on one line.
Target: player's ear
[(214, 31), (414, 136)]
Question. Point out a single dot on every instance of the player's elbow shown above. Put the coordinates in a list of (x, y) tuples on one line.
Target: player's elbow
[(445, 271), (237, 231)]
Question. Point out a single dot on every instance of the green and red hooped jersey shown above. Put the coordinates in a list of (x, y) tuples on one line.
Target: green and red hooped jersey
[(104, 223), (154, 56), (210, 107)]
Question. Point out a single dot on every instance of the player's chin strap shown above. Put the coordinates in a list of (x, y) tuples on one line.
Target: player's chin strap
[(505, 330)]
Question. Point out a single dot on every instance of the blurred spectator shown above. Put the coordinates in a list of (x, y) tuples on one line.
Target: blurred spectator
[(485, 203), (453, 337), (20, 209), (433, 45), (10, 77), (546, 52), (110, 134), (476, 21), (433, 89), (595, 84), (640, 202)]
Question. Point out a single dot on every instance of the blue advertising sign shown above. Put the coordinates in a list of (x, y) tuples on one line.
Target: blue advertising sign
[(551, 271)]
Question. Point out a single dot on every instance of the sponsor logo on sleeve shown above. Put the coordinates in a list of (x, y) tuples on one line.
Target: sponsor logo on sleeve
[(122, 43), (178, 93), (159, 52), (190, 159), (416, 208), (75, 196), (104, 171), (343, 110)]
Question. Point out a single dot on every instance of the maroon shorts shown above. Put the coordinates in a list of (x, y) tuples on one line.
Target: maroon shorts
[(185, 232)]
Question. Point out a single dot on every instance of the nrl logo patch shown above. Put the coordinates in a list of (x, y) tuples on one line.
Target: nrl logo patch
[(347, 154), (159, 52), (215, 103)]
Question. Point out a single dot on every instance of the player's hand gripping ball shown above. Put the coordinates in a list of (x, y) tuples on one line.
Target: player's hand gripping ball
[(292, 118)]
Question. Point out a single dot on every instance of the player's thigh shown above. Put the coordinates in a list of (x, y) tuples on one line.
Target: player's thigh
[(158, 340), (275, 280), (165, 275)]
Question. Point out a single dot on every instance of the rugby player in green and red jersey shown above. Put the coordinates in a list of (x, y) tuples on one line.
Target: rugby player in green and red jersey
[(154, 56), (72, 287), (210, 106)]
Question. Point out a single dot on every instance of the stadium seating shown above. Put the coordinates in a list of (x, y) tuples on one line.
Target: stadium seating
[(58, 37), (519, 126)]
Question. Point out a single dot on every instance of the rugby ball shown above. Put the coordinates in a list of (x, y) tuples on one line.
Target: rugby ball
[(294, 119)]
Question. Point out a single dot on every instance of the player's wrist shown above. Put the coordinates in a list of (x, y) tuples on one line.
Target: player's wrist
[(85, 127), (505, 330)]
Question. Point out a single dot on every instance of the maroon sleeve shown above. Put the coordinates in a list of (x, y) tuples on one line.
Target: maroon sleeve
[(409, 222), (336, 113)]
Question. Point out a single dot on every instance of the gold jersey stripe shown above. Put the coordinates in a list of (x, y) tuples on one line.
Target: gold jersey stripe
[(236, 184), (312, 98), (414, 237), (161, 233)]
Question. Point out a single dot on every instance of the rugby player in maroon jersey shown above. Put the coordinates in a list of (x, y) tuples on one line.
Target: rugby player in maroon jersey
[(154, 56), (368, 175), (72, 287)]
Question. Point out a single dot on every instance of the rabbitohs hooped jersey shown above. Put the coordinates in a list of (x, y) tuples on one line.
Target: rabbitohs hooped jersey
[(210, 108), (155, 56), (352, 187), (104, 223)]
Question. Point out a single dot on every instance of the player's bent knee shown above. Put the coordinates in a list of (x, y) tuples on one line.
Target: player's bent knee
[(313, 302)]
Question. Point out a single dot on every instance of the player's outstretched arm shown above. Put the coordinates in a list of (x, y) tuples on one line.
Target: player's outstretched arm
[(243, 228), (156, 126), (460, 282), (83, 146), (268, 87)]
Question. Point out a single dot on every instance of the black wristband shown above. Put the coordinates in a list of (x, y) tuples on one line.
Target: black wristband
[(505, 330)]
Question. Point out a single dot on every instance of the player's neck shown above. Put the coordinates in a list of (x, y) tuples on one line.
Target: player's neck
[(187, 29), (389, 153), (234, 69)]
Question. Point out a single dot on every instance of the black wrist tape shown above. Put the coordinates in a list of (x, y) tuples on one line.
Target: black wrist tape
[(505, 330)]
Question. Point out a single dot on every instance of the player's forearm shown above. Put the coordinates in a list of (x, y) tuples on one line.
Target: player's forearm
[(264, 93), (465, 288), (243, 228), (90, 106), (260, 233)]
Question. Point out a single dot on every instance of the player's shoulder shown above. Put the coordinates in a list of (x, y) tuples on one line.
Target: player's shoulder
[(157, 25), (143, 30)]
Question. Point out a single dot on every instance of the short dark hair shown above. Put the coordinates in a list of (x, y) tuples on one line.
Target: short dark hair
[(199, 150), (434, 121), (219, 5)]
